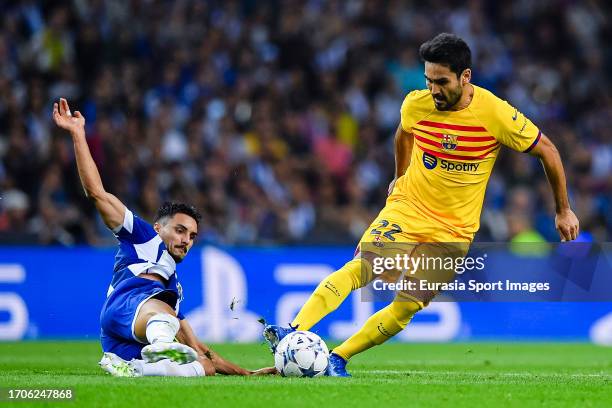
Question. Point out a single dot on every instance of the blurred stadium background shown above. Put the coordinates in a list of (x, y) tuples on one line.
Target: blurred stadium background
[(276, 119)]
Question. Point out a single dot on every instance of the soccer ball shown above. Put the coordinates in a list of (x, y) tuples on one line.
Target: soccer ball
[(301, 354)]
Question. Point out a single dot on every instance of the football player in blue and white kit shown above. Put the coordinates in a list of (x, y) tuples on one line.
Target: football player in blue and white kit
[(141, 316)]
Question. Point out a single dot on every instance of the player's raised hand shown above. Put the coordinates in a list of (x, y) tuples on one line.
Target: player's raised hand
[(74, 123), (567, 224)]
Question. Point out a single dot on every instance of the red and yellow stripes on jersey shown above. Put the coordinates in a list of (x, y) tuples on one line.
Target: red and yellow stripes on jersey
[(454, 141)]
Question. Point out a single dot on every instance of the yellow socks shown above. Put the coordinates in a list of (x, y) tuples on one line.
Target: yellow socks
[(331, 292), (379, 328)]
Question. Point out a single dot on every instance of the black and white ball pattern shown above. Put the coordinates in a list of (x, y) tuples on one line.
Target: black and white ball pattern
[(301, 354)]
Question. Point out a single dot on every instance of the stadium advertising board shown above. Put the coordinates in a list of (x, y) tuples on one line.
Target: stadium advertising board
[(58, 293)]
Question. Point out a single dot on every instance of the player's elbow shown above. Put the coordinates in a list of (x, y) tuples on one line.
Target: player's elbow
[(546, 142), (95, 195), (545, 149)]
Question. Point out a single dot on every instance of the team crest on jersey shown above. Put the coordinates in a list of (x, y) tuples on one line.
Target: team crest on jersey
[(449, 142)]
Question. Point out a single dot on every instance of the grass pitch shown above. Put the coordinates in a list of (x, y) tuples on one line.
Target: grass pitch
[(394, 375)]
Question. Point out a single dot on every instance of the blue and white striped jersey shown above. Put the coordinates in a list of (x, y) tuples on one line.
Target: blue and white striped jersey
[(141, 250)]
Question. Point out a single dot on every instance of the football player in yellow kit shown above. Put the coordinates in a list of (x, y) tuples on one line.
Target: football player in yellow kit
[(445, 147)]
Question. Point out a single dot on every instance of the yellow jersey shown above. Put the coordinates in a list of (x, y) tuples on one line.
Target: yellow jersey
[(452, 158)]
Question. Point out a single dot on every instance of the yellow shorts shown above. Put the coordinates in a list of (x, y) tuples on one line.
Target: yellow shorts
[(421, 250), (399, 221)]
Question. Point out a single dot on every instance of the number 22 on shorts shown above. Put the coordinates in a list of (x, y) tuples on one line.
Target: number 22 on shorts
[(383, 224)]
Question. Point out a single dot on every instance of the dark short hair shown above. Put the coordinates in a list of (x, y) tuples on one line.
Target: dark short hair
[(449, 50), (168, 209)]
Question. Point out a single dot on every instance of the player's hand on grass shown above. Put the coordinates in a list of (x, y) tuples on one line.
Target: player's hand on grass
[(567, 224), (265, 371), (74, 123)]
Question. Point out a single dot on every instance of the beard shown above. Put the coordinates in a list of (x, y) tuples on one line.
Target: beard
[(444, 103), (178, 258)]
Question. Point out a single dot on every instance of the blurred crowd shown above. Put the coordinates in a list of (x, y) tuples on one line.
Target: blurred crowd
[(276, 118)]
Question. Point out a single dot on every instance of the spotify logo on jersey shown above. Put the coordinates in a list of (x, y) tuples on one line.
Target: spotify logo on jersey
[(430, 161)]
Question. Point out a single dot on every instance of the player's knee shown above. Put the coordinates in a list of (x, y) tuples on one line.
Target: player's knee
[(154, 307), (145, 316), (366, 274), (209, 368), (359, 272), (373, 267), (164, 318), (161, 327), (403, 311)]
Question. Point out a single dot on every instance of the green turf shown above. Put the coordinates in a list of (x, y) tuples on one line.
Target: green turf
[(394, 375)]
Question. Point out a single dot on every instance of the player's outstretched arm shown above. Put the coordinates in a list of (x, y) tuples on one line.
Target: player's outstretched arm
[(109, 206), (186, 336), (566, 221), (403, 151)]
